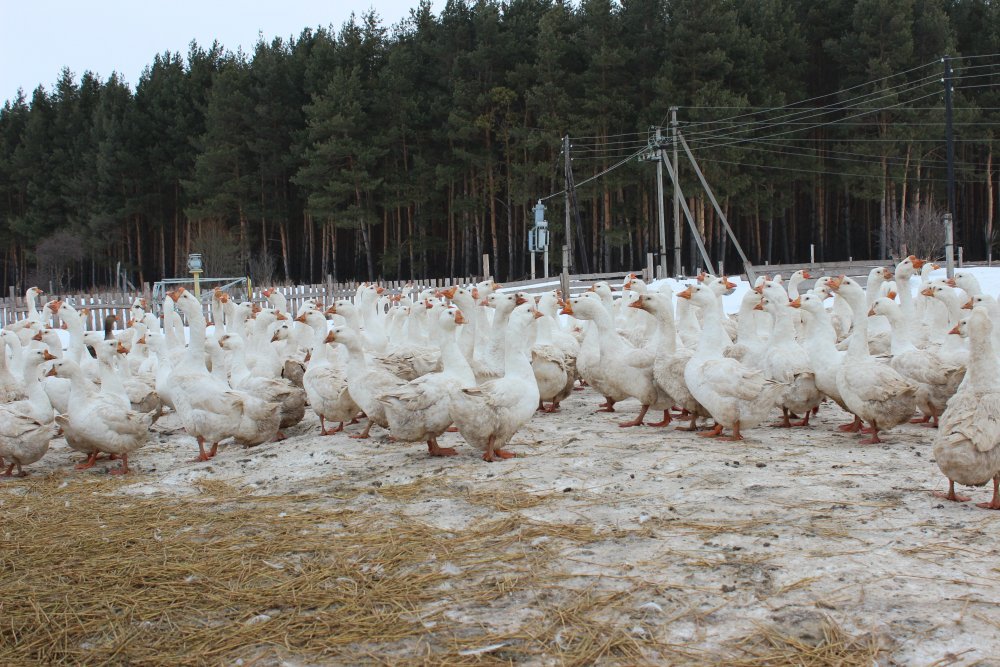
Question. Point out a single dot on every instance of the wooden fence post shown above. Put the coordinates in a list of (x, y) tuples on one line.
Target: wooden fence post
[(564, 278)]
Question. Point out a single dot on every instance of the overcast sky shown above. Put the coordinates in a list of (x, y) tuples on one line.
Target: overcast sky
[(40, 37)]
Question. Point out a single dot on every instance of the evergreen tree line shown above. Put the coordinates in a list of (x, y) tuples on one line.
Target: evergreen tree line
[(409, 151)]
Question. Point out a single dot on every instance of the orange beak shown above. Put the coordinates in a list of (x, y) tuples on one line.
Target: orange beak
[(131, 322), (638, 303), (48, 356), (518, 300), (450, 292), (484, 302), (428, 304), (567, 308), (281, 316), (950, 282), (759, 306), (592, 288), (301, 318), (537, 313), (954, 330), (275, 338), (759, 288), (701, 277), (935, 266), (806, 275), (37, 336), (686, 294), (459, 317), (835, 283), (121, 349), (141, 341), (497, 286), (729, 285), (475, 293), (918, 263), (268, 292), (927, 291), (332, 310), (887, 274), (224, 298), (51, 373), (55, 305), (796, 303), (891, 295), (379, 290), (871, 312), (330, 337), (968, 305)]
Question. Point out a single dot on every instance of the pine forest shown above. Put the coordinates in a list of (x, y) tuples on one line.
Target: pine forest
[(373, 151)]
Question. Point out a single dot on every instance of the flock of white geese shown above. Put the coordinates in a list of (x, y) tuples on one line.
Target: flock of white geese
[(483, 361)]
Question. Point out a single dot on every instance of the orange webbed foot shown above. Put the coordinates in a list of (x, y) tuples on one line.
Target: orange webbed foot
[(952, 496)]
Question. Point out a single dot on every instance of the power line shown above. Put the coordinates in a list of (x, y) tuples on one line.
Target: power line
[(833, 122), (818, 171), (837, 92), (771, 122), (598, 175)]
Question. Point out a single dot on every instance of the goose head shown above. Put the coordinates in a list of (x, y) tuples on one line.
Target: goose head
[(585, 306), (966, 281), (885, 307), (799, 276), (185, 302), (65, 368), (450, 318), (699, 294), (810, 302), (908, 267), (720, 285), (281, 332)]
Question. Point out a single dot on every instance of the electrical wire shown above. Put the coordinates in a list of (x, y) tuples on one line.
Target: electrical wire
[(778, 121), (808, 127), (822, 172), (837, 92), (596, 176)]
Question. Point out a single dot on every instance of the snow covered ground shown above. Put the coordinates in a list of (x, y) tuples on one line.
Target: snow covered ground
[(709, 540)]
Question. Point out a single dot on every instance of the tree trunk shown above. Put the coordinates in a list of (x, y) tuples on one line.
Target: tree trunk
[(283, 234), (989, 204)]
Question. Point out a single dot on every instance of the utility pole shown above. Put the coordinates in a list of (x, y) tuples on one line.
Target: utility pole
[(569, 229), (659, 198), (950, 145), (747, 267), (677, 203)]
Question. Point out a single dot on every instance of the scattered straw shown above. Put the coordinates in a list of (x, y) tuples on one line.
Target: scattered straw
[(774, 648)]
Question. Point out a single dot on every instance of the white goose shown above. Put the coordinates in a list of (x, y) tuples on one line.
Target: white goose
[(489, 415), (737, 397), (785, 361), (208, 408), (365, 382), (937, 380), (871, 390), (26, 426), (100, 419), (325, 379), (614, 375), (670, 362), (272, 390), (421, 409), (967, 444)]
